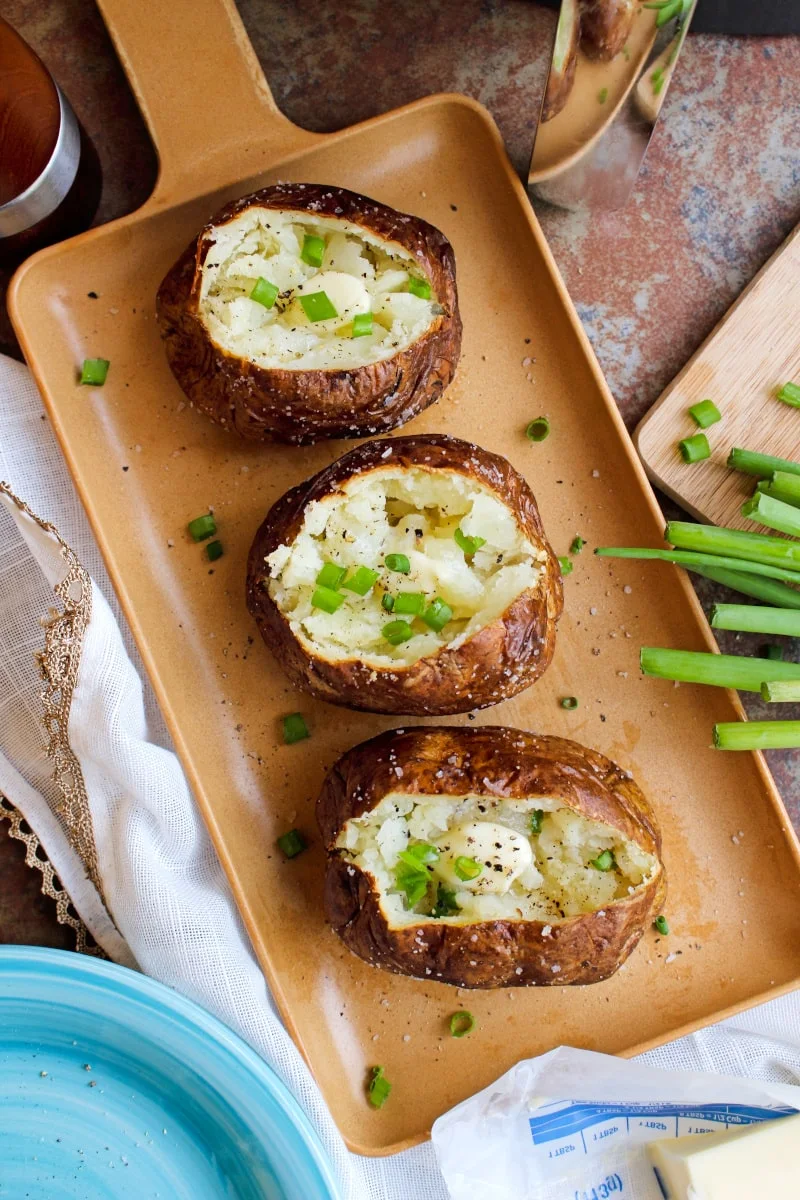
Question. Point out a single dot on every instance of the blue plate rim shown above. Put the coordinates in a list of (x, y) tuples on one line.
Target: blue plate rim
[(34, 962)]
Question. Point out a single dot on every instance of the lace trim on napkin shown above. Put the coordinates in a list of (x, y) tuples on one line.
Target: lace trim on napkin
[(58, 663), (36, 858)]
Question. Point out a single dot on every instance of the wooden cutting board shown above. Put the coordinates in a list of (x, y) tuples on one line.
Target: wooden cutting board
[(753, 350)]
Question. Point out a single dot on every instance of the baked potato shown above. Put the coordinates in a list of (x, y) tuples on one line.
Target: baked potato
[(303, 312), (605, 26), (411, 576), (488, 857)]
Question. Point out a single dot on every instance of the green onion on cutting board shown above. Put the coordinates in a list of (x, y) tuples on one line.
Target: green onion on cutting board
[(748, 462)]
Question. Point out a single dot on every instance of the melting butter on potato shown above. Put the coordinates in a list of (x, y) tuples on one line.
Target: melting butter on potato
[(502, 853)]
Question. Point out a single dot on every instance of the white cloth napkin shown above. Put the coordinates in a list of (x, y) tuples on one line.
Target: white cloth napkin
[(169, 908)]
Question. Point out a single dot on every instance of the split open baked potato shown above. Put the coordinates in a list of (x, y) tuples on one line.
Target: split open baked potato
[(488, 857), (411, 576), (303, 311)]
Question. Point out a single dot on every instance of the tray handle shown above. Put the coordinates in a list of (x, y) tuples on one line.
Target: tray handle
[(202, 93)]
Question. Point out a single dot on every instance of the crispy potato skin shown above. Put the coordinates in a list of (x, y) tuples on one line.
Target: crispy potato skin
[(605, 26), (489, 954), (520, 642), (275, 404)]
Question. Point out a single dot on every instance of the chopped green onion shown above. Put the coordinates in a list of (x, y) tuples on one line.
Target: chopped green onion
[(378, 1088), (577, 545), (361, 581), (753, 618), (326, 599), (657, 80), (781, 691), (419, 287), (387, 602), (695, 560), (409, 603), (313, 250), (467, 868), (695, 448), (738, 543), (782, 486), (94, 371), (202, 527), (318, 306), (462, 1023), (292, 843), (264, 292), (437, 614), (538, 429), (331, 576), (445, 905), (604, 861), (466, 543), (705, 413), (762, 465), (362, 324), (662, 925), (771, 652), (569, 702), (420, 855), (757, 735), (790, 394), (566, 564), (294, 728), (716, 670), (602, 95), (773, 513), (767, 590), (399, 563), (396, 632), (536, 818), (413, 881), (214, 551)]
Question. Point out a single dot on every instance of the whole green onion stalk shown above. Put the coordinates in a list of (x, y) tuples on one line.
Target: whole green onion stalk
[(694, 560), (748, 462), (782, 486), (776, 514), (781, 691), (769, 591), (753, 618), (734, 543), (757, 735), (717, 670)]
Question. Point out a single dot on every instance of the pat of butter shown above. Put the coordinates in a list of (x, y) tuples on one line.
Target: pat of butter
[(760, 1160), (502, 854)]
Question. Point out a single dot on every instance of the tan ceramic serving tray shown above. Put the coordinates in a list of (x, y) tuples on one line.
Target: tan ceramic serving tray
[(145, 464)]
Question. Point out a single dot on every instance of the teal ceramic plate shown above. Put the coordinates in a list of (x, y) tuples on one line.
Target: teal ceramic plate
[(112, 1085)]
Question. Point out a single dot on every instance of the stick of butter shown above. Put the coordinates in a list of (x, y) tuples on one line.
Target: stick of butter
[(762, 1159)]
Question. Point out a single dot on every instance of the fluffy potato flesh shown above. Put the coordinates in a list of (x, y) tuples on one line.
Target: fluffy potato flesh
[(359, 274), (415, 513), (547, 876)]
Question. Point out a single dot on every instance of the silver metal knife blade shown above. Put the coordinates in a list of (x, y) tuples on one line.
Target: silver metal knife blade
[(610, 71)]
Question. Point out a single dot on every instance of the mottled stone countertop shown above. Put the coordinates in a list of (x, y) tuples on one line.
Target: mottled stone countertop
[(719, 192)]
